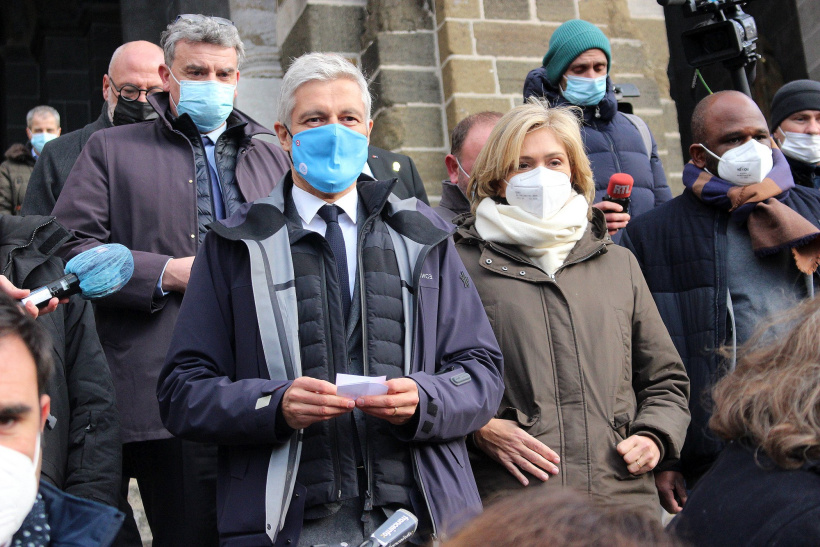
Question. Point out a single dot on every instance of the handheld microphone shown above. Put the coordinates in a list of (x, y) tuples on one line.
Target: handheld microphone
[(395, 530), (95, 273), (619, 190)]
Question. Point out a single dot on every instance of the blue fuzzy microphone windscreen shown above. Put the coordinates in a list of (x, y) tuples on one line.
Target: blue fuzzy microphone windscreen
[(102, 270)]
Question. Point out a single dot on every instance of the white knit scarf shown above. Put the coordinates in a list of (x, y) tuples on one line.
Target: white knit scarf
[(546, 241)]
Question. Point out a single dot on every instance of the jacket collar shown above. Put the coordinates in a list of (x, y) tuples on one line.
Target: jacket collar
[(162, 104), (453, 198), (38, 236), (20, 153), (257, 221), (105, 118)]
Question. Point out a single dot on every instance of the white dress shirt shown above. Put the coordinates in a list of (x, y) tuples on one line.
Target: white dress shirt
[(308, 205)]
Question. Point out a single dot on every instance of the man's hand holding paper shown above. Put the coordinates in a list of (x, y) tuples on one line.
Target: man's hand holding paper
[(397, 405)]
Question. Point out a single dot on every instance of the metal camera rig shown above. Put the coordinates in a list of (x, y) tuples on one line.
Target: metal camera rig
[(729, 36)]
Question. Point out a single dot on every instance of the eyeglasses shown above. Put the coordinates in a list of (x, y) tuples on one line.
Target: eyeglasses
[(130, 92), (199, 17)]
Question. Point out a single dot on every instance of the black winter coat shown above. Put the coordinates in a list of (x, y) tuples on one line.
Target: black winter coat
[(746, 500), (613, 144), (682, 249), (81, 452)]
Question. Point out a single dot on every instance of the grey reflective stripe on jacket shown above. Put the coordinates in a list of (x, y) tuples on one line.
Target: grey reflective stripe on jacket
[(407, 254), (274, 296)]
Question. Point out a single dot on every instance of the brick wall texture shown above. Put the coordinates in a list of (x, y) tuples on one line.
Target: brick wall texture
[(433, 62)]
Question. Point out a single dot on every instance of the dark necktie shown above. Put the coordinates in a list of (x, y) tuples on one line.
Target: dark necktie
[(333, 235), (216, 189)]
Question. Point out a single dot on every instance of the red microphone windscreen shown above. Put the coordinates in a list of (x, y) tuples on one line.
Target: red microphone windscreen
[(620, 186)]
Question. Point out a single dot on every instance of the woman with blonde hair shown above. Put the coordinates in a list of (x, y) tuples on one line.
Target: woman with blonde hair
[(596, 395), (764, 489)]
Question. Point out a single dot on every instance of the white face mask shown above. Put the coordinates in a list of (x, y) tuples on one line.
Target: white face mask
[(540, 192), (801, 146), (746, 164), (18, 489)]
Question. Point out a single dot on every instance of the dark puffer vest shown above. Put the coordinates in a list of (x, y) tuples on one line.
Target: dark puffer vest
[(227, 146), (331, 345)]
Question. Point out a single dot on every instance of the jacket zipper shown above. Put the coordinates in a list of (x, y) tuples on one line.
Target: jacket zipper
[(612, 149), (368, 495), (30, 241)]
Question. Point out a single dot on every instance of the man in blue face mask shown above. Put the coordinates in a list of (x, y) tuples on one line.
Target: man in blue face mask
[(575, 71), (333, 274), (155, 187), (42, 126)]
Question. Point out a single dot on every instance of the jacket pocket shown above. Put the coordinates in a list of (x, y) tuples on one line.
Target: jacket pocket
[(458, 450), (620, 431)]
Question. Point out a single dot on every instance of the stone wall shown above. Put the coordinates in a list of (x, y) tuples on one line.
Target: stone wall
[(433, 62), (487, 47)]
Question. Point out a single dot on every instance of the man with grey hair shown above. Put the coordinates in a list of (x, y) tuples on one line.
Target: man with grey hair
[(42, 126), (155, 187), (133, 75), (345, 278)]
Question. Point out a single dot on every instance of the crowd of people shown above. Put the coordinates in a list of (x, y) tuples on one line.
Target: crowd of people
[(306, 347)]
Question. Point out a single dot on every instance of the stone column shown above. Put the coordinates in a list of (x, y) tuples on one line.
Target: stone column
[(261, 73), (400, 60)]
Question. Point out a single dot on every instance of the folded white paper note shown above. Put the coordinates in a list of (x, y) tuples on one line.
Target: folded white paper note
[(353, 386)]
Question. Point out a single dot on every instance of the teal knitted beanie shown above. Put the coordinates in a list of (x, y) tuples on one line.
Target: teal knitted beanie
[(569, 41)]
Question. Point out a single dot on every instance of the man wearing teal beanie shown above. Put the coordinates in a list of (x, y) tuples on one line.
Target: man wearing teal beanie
[(569, 41), (575, 72)]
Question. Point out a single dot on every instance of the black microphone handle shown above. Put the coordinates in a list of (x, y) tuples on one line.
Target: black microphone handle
[(65, 286), (623, 202)]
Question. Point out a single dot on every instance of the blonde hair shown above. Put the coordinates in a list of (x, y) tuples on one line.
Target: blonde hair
[(500, 154), (772, 398)]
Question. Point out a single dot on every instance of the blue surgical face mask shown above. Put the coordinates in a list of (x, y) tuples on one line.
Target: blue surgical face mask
[(329, 157), (207, 102), (39, 140), (582, 91)]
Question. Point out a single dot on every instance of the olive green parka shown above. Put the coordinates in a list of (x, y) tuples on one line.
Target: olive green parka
[(588, 362)]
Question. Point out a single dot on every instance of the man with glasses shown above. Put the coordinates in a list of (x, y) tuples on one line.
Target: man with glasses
[(133, 74), (155, 187)]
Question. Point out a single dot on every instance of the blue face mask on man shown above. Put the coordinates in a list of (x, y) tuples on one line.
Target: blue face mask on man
[(207, 102), (329, 157), (582, 91), (39, 140)]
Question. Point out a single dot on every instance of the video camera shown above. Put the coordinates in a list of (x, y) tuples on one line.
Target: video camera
[(728, 36)]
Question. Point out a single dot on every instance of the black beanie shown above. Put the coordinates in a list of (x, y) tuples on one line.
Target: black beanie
[(794, 97)]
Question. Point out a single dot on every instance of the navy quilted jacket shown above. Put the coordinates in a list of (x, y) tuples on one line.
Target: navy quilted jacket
[(682, 250), (613, 144)]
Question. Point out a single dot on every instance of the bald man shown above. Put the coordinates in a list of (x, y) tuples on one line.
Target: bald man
[(133, 74), (740, 244)]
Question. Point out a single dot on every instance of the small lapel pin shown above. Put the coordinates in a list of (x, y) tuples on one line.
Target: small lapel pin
[(396, 166)]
